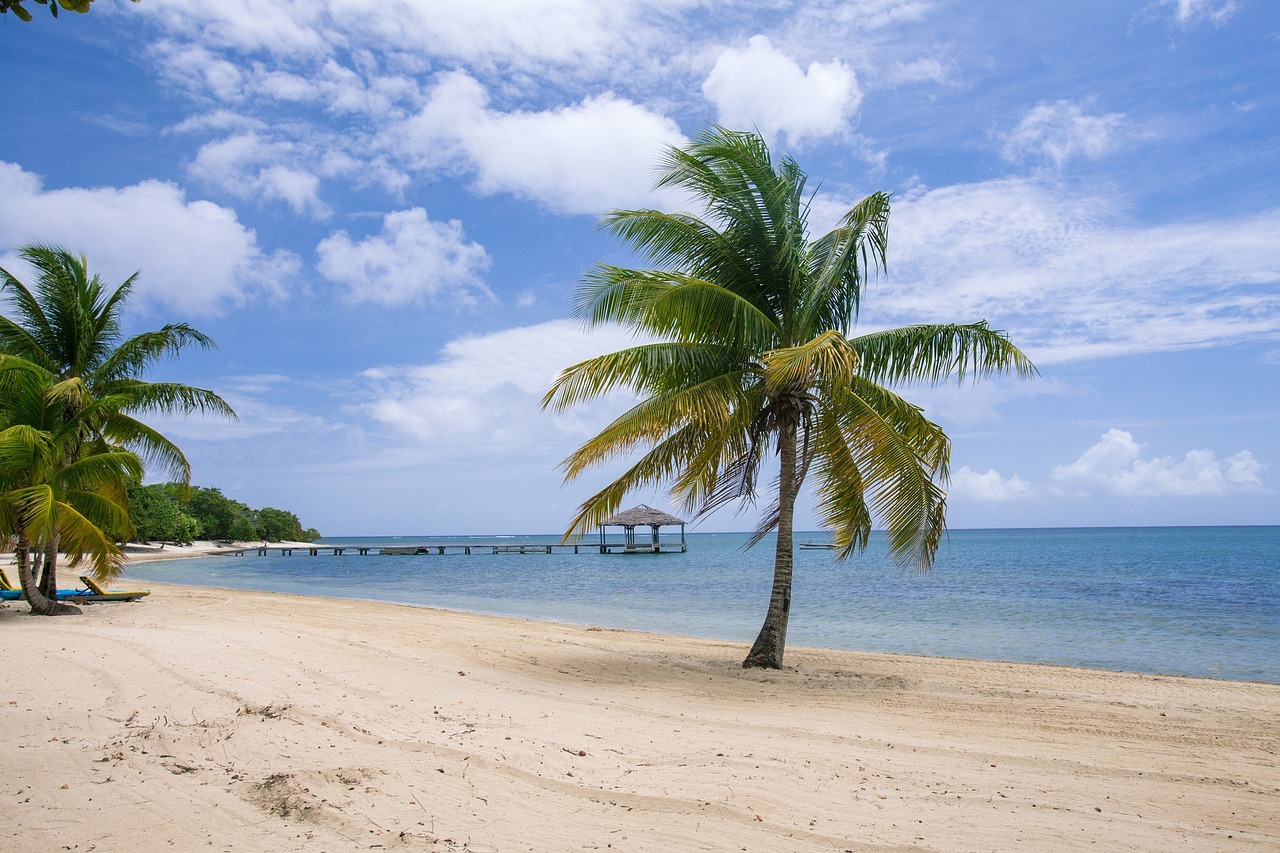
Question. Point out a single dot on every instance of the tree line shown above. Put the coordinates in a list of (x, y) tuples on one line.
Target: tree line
[(170, 512)]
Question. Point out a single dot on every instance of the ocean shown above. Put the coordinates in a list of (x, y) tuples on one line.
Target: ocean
[(1199, 601)]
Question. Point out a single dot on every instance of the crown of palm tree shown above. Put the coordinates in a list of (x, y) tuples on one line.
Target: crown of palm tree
[(70, 325)]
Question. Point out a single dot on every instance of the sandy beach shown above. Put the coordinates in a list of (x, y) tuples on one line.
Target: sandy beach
[(214, 719)]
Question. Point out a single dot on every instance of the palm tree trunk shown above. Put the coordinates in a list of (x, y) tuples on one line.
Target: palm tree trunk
[(49, 574), (41, 605), (767, 650)]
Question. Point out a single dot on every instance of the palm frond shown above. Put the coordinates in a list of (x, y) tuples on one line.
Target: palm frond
[(935, 353), (898, 454), (673, 305), (827, 359), (840, 261), (139, 353), (652, 368)]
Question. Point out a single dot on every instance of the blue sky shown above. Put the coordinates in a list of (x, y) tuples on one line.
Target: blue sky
[(380, 209)]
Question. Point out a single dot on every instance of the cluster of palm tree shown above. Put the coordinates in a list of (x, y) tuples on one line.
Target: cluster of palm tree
[(71, 395), (752, 352)]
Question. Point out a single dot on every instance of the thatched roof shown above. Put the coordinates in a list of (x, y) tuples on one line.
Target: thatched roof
[(642, 515)]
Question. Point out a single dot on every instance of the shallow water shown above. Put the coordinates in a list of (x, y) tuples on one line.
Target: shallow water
[(1199, 601)]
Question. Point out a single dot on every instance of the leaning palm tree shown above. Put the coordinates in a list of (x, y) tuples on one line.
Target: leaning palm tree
[(70, 326), (751, 352), (46, 502)]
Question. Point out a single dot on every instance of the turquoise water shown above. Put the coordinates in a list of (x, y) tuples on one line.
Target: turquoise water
[(1189, 601)]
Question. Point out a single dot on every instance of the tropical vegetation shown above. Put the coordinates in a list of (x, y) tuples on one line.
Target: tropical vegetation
[(746, 350), (62, 342), (170, 512)]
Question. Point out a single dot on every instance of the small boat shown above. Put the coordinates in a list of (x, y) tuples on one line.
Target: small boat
[(826, 546)]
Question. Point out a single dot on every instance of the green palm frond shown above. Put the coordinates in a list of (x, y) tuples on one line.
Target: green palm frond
[(168, 398), (839, 261), (899, 454), (700, 404), (936, 353), (840, 488), (142, 351), (653, 368), (824, 360), (674, 305)]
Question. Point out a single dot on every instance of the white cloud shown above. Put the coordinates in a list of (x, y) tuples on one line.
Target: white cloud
[(762, 87), (248, 166), (1191, 13), (284, 27), (516, 33), (990, 487), (969, 403), (1060, 131), (584, 158), (1070, 278), (199, 71), (484, 392), (412, 260), (922, 70), (1114, 466), (194, 256)]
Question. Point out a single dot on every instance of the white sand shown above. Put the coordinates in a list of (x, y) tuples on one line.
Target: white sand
[(212, 719)]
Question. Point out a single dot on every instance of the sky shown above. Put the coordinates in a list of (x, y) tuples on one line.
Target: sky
[(380, 210)]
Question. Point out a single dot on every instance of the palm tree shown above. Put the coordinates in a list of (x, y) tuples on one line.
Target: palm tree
[(47, 502), (70, 326), (750, 323)]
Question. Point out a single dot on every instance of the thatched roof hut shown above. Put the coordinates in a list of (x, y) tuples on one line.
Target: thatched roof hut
[(643, 516)]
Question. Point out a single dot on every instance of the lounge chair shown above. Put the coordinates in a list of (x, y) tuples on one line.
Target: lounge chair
[(9, 592), (94, 592)]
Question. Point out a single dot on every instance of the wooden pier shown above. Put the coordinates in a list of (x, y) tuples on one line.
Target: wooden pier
[(640, 516), (443, 548)]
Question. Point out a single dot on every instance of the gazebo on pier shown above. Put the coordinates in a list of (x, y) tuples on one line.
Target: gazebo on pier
[(642, 516)]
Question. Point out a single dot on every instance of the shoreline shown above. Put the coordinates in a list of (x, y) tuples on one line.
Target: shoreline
[(138, 553), (282, 722), (142, 554)]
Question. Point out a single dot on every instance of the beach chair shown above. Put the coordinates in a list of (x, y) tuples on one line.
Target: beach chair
[(94, 592), (9, 592)]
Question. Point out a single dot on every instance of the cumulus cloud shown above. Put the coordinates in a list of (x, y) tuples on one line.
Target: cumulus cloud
[(412, 260), (990, 487), (248, 166), (1059, 131), (584, 158), (1115, 466), (762, 87), (484, 391), (194, 256)]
